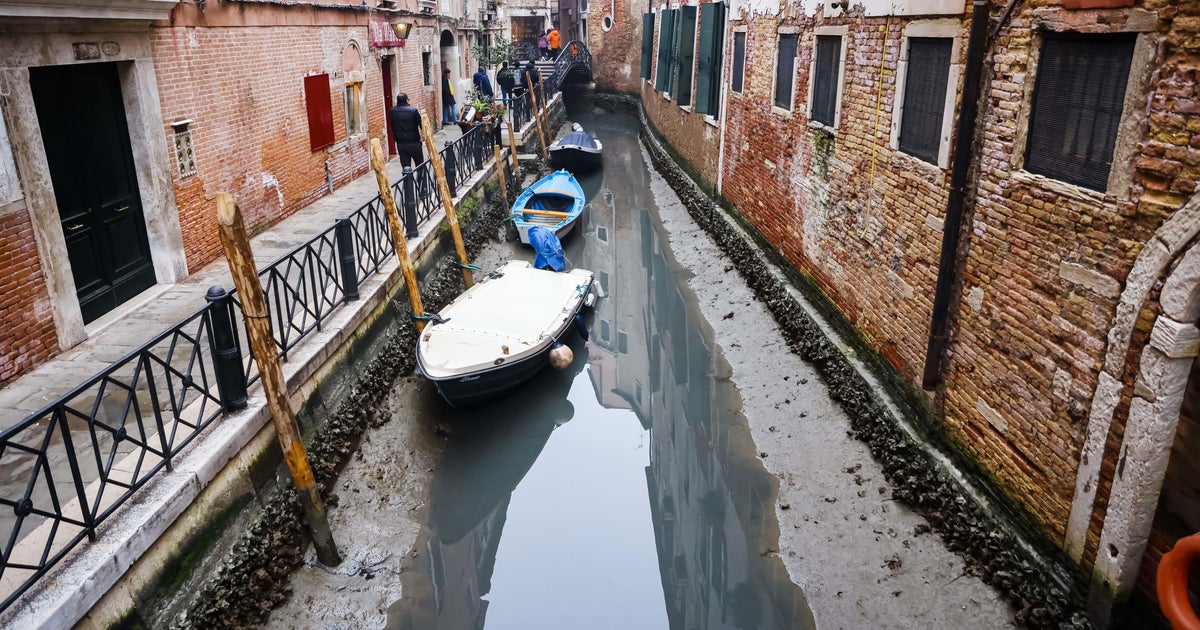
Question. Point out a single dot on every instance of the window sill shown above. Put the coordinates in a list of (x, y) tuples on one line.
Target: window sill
[(336, 146), (736, 94), (686, 108), (1071, 191), (816, 124), (913, 162), (712, 121), (666, 96), (779, 111)]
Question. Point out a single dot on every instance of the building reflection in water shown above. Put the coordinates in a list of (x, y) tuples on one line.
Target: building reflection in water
[(711, 501)]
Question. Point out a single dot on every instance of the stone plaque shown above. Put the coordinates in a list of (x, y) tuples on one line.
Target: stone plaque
[(110, 48), (86, 50)]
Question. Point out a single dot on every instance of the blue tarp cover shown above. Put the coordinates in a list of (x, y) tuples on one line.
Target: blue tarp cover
[(579, 139), (549, 250)]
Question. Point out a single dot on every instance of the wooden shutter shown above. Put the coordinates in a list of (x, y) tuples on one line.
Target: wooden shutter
[(1077, 107), (319, 104), (829, 51), (785, 68), (647, 44), (708, 74), (739, 62), (666, 32), (925, 96), (686, 56)]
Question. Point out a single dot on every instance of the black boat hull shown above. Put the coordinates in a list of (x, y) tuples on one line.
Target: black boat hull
[(574, 160)]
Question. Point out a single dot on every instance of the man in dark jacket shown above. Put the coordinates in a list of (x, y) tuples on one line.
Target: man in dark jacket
[(530, 76), (507, 80), (406, 131), (482, 84)]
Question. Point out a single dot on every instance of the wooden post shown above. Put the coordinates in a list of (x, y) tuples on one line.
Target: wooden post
[(258, 329), (512, 146), (500, 171), (545, 104), (537, 117), (435, 159), (379, 164)]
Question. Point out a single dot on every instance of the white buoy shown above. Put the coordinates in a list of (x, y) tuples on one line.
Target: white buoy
[(561, 357)]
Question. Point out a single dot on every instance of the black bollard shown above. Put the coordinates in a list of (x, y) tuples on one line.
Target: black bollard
[(409, 187), (343, 231), (227, 356)]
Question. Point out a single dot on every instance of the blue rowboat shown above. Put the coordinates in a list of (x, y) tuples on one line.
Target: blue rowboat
[(554, 202)]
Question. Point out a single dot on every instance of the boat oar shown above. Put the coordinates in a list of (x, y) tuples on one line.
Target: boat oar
[(547, 213)]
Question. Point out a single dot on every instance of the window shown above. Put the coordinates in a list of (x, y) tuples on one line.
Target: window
[(647, 44), (318, 104), (708, 75), (354, 109), (685, 56), (427, 67), (1078, 100), (739, 62), (925, 96), (826, 73), (785, 69), (666, 45)]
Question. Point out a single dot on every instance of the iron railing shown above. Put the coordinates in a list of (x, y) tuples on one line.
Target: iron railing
[(67, 467)]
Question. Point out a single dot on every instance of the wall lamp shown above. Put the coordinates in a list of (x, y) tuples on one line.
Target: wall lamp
[(402, 30)]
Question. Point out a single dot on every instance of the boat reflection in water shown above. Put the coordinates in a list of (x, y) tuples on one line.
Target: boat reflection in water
[(706, 519)]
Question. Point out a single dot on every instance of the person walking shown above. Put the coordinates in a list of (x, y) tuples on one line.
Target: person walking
[(507, 80), (482, 84), (406, 131), (554, 39), (530, 71), (449, 113), (543, 45)]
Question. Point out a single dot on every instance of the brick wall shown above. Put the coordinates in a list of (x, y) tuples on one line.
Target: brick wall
[(617, 53), (243, 88), (1046, 260), (26, 325)]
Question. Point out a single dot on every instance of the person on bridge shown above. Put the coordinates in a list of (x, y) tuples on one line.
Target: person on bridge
[(406, 131), (543, 45), (482, 84), (554, 39), (534, 77), (449, 113), (507, 80)]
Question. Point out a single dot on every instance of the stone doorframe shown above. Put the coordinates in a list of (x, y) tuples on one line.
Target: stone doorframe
[(147, 138), (1164, 367)]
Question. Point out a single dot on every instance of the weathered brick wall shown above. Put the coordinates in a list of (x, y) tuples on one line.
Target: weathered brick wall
[(617, 53), (26, 325), (250, 127)]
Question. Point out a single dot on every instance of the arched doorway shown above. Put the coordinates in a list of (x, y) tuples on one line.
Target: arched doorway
[(451, 62)]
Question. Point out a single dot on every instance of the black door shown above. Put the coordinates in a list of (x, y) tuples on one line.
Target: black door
[(82, 118)]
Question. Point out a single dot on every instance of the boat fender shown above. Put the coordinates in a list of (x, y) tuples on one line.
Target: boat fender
[(561, 356), (581, 327)]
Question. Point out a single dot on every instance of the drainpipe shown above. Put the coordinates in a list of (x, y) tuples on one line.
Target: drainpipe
[(949, 268)]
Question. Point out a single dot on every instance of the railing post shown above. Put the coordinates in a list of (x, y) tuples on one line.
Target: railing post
[(227, 356), (410, 202), (451, 169), (479, 143), (344, 231)]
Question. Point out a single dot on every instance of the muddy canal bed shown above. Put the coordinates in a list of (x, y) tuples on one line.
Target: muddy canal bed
[(687, 471)]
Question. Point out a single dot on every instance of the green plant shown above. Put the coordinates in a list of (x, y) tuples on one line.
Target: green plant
[(494, 55)]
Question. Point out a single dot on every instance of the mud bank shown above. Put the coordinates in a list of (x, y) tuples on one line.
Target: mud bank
[(255, 576), (988, 547)]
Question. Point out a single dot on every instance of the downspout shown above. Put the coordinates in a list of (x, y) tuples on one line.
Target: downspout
[(949, 268)]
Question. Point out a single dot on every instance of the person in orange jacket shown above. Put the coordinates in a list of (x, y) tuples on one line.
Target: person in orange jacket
[(554, 39)]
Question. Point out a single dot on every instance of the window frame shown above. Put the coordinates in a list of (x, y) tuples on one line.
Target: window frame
[(354, 104), (942, 29), (784, 31), (828, 31), (733, 61)]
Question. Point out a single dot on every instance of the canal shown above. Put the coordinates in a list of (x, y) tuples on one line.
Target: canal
[(644, 486)]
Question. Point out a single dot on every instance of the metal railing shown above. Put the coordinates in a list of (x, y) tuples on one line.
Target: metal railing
[(67, 467)]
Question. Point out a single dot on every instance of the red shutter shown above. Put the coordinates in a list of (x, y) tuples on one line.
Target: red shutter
[(319, 104)]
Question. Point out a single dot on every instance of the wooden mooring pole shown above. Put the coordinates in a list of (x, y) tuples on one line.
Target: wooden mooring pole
[(512, 147), (258, 329), (379, 165), (500, 170), (447, 201), (537, 116)]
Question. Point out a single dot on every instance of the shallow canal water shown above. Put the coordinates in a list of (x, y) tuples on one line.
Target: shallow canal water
[(624, 492)]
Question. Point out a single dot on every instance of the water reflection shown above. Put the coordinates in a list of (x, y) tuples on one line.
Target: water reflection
[(650, 509)]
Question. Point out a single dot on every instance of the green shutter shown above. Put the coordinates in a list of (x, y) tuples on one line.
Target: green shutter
[(685, 56), (666, 32), (647, 44), (708, 45)]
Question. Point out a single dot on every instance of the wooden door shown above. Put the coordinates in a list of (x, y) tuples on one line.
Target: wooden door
[(82, 119), (388, 101)]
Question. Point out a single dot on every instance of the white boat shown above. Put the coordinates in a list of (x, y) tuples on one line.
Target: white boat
[(500, 332)]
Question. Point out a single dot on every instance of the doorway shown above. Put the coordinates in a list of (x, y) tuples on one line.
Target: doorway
[(388, 101), (81, 115)]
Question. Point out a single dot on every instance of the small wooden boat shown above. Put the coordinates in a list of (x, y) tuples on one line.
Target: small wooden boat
[(554, 202), (577, 151), (500, 332)]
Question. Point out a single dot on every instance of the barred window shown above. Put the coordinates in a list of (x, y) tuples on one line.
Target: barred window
[(825, 83), (925, 96), (1078, 100), (785, 69), (739, 61)]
